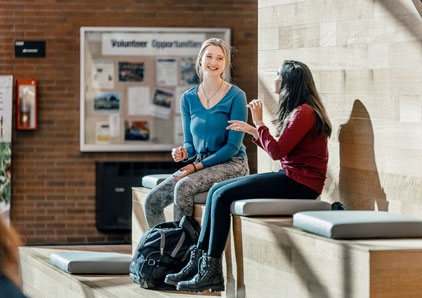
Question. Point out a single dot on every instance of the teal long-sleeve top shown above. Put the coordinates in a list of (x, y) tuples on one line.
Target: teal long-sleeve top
[(205, 129)]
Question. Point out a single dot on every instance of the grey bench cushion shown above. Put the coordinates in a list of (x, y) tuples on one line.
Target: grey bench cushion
[(353, 224), (89, 262), (151, 181), (268, 207)]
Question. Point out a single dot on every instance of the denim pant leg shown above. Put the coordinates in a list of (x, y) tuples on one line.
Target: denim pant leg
[(266, 185)]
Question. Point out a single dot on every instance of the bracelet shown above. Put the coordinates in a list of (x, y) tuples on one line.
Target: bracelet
[(194, 167)]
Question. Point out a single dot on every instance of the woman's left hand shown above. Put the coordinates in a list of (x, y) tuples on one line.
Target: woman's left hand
[(188, 169)]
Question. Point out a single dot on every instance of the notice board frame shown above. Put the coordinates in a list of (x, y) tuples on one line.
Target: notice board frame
[(106, 122)]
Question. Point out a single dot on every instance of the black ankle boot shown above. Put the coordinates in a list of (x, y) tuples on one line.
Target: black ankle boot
[(189, 270), (210, 276)]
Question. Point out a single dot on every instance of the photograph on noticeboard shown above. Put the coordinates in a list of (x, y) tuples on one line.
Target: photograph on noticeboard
[(137, 131), (161, 103), (187, 71), (109, 101), (131, 71)]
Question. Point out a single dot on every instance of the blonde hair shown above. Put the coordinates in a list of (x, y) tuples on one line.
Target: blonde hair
[(9, 242), (214, 42)]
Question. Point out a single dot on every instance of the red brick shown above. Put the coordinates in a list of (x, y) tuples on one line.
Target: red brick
[(50, 177)]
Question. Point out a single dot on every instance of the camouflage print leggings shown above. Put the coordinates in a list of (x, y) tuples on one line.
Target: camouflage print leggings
[(181, 192)]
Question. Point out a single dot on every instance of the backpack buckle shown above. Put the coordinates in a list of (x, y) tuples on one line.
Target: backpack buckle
[(152, 262)]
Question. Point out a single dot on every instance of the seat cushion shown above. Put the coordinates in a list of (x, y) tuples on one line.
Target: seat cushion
[(354, 224), (268, 207), (151, 181), (200, 198), (89, 262)]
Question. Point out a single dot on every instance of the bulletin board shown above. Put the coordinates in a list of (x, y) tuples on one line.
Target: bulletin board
[(131, 83)]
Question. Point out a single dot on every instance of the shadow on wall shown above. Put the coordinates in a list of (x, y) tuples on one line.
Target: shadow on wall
[(359, 182)]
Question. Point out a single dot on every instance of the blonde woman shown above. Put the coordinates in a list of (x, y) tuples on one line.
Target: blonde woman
[(219, 154)]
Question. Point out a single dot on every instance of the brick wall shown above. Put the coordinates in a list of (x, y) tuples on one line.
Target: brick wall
[(366, 57), (53, 183)]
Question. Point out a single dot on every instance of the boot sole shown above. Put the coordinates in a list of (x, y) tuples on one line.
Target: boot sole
[(210, 288)]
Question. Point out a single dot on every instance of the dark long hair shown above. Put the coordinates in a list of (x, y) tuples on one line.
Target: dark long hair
[(297, 88)]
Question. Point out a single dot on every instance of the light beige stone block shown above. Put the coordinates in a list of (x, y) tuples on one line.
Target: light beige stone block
[(334, 10), (307, 13), (405, 55), (410, 107), (285, 37), (378, 55), (332, 81), (268, 39), (328, 34), (267, 18), (306, 36), (286, 14)]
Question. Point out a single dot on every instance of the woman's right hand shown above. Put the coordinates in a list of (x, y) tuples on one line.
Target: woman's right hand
[(179, 153), (256, 108), (243, 126)]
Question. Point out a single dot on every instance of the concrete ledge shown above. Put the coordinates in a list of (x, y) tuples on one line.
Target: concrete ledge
[(268, 257), (41, 279)]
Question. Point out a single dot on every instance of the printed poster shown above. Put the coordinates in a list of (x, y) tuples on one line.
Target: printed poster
[(166, 69), (139, 102), (103, 74), (6, 85), (102, 133)]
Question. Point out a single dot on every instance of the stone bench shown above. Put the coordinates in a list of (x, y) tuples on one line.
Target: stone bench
[(266, 256)]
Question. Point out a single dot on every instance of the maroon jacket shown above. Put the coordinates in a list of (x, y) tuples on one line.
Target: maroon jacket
[(303, 155)]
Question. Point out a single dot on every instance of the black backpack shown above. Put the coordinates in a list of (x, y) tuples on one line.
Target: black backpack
[(162, 250)]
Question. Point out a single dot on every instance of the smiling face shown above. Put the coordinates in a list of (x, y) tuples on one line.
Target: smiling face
[(213, 61)]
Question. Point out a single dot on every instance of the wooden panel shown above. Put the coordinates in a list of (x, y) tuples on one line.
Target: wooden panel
[(139, 225), (396, 274), (264, 257), (279, 261)]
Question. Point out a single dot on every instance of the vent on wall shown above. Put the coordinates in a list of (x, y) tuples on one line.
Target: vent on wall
[(114, 182)]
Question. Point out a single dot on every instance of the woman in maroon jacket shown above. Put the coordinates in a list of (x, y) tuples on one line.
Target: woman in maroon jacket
[(303, 129)]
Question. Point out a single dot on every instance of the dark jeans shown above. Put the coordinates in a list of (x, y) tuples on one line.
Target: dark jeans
[(216, 223)]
